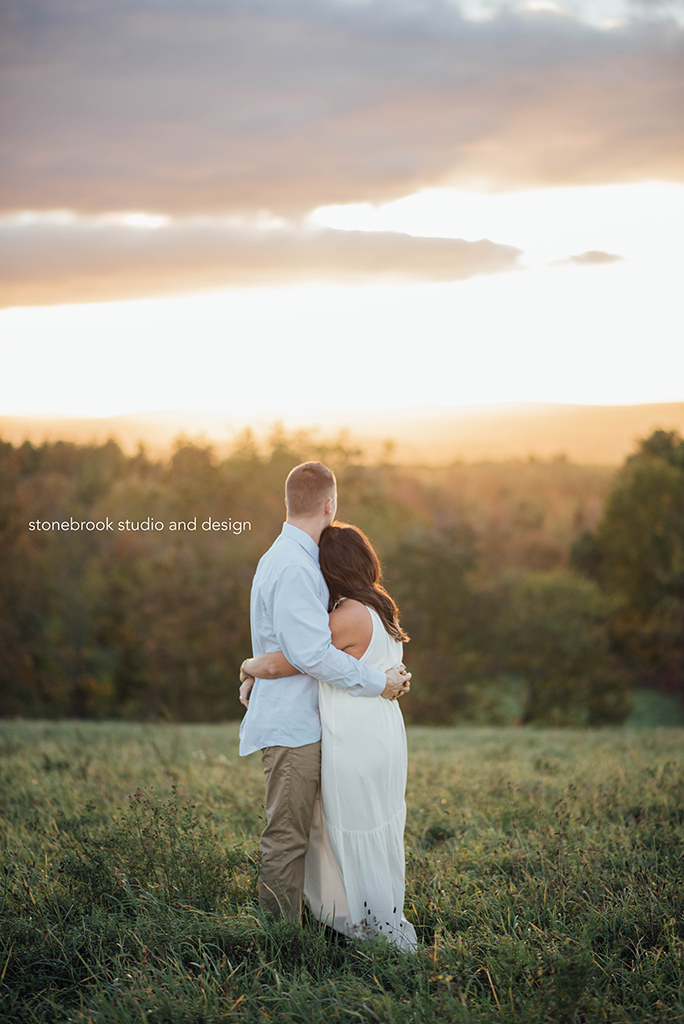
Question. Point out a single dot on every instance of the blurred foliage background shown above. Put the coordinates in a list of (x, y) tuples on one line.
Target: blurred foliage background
[(533, 592)]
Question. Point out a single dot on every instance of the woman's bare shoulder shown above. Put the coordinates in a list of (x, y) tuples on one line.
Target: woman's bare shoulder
[(349, 611), (351, 626)]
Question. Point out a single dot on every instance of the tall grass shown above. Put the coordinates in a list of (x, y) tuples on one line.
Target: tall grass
[(544, 877)]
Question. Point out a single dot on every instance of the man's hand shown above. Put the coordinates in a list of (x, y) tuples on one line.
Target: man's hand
[(246, 689), (398, 683)]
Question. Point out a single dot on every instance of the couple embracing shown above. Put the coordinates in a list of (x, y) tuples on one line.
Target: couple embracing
[(322, 706)]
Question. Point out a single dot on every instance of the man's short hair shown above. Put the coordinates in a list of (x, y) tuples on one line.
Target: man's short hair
[(307, 488)]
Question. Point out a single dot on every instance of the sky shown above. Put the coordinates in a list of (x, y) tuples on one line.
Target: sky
[(274, 205)]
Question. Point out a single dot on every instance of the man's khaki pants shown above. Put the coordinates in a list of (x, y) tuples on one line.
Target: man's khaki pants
[(292, 778)]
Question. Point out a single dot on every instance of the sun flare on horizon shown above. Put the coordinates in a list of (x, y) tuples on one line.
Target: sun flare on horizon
[(595, 281)]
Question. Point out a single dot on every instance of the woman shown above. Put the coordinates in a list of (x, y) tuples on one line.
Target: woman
[(355, 862)]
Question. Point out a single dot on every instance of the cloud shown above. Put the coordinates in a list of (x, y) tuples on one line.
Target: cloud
[(591, 258), (205, 106), (95, 260)]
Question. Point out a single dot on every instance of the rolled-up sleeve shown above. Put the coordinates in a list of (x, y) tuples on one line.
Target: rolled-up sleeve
[(301, 626)]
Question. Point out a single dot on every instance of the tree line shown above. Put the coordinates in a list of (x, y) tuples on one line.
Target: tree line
[(525, 602)]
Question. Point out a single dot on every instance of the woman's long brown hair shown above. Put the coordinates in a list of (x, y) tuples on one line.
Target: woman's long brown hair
[(352, 569)]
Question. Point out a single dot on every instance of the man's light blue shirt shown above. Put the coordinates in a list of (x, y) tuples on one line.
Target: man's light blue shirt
[(289, 613)]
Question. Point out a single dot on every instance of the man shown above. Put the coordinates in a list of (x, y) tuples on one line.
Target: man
[(289, 612)]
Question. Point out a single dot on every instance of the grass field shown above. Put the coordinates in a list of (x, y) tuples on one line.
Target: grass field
[(545, 875)]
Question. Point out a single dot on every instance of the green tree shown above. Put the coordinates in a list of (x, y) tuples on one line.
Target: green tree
[(429, 575), (552, 631), (641, 543)]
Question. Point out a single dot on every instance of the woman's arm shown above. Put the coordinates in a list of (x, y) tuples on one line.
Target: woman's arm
[(273, 665)]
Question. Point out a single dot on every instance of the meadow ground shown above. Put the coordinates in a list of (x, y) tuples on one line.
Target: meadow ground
[(545, 875)]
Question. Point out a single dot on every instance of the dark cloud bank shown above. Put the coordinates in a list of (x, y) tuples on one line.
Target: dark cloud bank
[(188, 106), (195, 108), (83, 262)]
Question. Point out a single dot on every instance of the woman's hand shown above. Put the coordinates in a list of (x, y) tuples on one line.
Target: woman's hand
[(246, 688)]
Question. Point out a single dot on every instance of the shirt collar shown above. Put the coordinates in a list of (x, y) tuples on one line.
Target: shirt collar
[(307, 542)]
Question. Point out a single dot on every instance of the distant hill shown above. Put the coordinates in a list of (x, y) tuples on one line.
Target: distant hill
[(438, 435)]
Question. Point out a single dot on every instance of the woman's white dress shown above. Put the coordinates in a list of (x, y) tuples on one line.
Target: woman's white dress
[(355, 863)]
